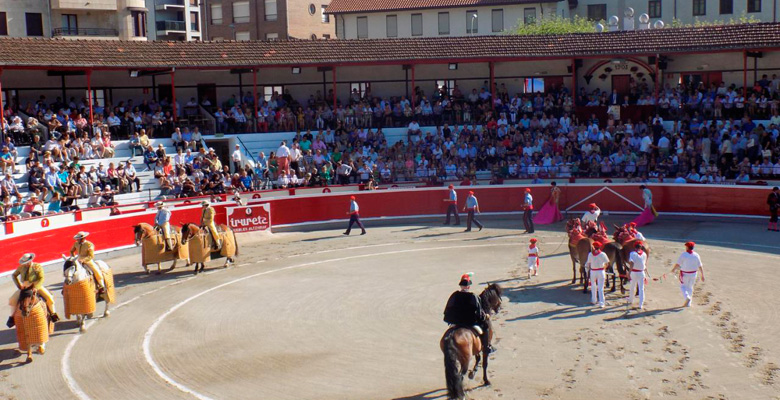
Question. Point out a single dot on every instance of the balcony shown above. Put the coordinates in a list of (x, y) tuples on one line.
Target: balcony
[(57, 32), (171, 26), (161, 5), (81, 5)]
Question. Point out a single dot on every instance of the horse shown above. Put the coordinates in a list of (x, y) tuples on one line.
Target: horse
[(76, 296), (458, 345), (579, 247), (154, 251), (628, 240), (33, 323), (199, 243)]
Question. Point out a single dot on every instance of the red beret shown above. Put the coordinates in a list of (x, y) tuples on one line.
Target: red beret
[(533, 240), (451, 186), (632, 224), (593, 205), (690, 244), (528, 190), (352, 197), (597, 245), (471, 192)]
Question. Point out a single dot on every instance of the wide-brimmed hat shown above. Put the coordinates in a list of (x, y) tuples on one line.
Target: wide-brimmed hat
[(159, 204), (27, 257), (81, 235), (204, 203)]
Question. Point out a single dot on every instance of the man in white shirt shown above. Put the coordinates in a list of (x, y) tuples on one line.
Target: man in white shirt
[(637, 261), (236, 157), (596, 265), (592, 214), (283, 157), (688, 265)]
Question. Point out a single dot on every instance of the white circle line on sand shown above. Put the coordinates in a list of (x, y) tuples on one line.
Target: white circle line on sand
[(65, 363), (150, 332)]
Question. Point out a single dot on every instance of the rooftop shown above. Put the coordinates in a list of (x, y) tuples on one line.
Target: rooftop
[(352, 6)]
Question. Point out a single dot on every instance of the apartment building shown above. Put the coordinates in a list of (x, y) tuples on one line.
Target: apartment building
[(686, 12), (268, 19), (175, 20)]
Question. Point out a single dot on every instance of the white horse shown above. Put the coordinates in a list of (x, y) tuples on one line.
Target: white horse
[(74, 272)]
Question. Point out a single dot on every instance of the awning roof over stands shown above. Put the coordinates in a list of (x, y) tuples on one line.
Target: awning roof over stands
[(100, 54)]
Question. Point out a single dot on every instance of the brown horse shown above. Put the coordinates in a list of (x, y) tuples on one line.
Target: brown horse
[(199, 243), (154, 247), (624, 236), (580, 246), (459, 344)]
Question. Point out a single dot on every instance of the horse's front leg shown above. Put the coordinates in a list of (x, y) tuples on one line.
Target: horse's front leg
[(173, 265), (29, 354), (585, 279), (146, 268), (81, 320), (159, 271), (106, 311), (573, 271)]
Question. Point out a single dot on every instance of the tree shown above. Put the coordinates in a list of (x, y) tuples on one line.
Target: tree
[(554, 26)]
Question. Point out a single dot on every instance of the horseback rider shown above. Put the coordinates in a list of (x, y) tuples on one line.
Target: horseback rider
[(465, 310), (592, 214), (86, 255), (162, 222), (207, 222), (30, 275), (632, 229)]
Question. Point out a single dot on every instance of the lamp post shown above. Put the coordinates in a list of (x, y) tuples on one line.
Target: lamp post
[(473, 18)]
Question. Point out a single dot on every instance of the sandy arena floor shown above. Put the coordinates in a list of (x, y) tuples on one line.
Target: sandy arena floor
[(321, 316)]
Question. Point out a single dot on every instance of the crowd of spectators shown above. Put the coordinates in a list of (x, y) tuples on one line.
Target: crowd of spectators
[(710, 138)]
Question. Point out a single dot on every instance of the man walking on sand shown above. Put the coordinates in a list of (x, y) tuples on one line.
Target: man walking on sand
[(688, 265)]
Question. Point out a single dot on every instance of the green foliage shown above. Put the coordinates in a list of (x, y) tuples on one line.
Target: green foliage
[(554, 26), (742, 19)]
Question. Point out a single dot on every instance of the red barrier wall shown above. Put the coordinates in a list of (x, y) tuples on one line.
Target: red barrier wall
[(117, 231)]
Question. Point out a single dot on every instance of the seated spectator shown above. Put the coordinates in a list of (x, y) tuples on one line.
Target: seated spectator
[(7, 160), (150, 158), (135, 145), (33, 206), (9, 187), (107, 197), (54, 205)]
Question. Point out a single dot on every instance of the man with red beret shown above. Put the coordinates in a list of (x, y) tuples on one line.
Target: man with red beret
[(452, 206), (592, 214), (637, 261), (472, 206), (689, 265), (637, 235), (596, 265), (464, 309), (354, 216)]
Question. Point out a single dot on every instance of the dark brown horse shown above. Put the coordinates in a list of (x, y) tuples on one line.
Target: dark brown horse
[(580, 246), (459, 344), (624, 236)]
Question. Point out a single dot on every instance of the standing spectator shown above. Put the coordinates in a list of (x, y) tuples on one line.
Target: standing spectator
[(354, 216), (236, 157), (472, 206), (528, 207), (283, 157)]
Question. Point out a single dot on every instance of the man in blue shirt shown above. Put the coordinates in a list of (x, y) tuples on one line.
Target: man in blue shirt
[(472, 206), (354, 216), (528, 207), (452, 206)]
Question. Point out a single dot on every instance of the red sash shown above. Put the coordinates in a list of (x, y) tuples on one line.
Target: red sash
[(686, 272)]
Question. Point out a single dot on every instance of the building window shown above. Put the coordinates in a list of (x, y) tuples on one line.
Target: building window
[(472, 21), (497, 17), (529, 15), (312, 9), (417, 28), (392, 25), (34, 22), (240, 12), (654, 8), (699, 7), (270, 10), (534, 85), (98, 97), (139, 24), (269, 91), (216, 14), (449, 84), (194, 22), (271, 36), (70, 24), (597, 12), (326, 35), (362, 27), (444, 23), (3, 24), (243, 36), (727, 6), (361, 88), (754, 6), (325, 16)]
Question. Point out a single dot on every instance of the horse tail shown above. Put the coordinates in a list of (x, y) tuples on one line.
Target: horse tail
[(621, 267), (451, 370), (235, 241)]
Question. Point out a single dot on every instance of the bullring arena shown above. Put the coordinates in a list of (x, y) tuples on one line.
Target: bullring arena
[(307, 313)]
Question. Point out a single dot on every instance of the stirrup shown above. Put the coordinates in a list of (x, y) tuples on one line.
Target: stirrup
[(477, 329)]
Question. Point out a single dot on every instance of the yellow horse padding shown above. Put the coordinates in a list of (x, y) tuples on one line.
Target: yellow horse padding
[(79, 297), (154, 249), (108, 281), (200, 246), (34, 329)]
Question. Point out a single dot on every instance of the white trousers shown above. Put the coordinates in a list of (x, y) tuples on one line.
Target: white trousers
[(637, 281), (597, 279), (688, 280), (531, 263)]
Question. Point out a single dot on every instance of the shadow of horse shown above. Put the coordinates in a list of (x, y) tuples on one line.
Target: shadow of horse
[(432, 235), (491, 237), (433, 394), (11, 354)]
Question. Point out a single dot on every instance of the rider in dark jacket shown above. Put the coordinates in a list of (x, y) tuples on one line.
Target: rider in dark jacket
[(464, 309)]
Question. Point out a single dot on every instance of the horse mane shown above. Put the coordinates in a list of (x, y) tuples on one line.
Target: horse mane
[(491, 293), (24, 294)]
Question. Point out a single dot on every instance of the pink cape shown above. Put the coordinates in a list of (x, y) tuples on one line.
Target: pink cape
[(548, 214), (645, 217)]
